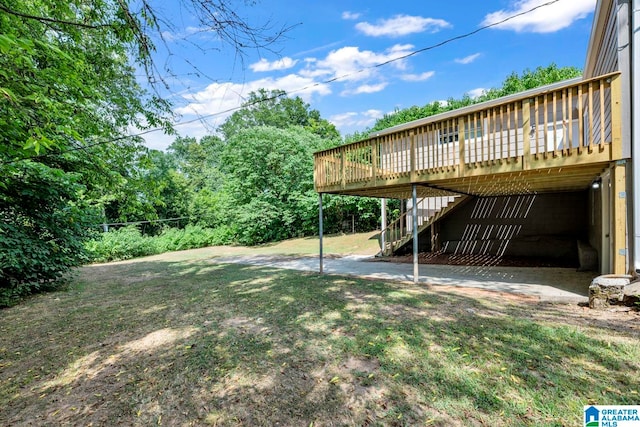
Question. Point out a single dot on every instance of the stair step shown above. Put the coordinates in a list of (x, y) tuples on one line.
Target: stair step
[(436, 216)]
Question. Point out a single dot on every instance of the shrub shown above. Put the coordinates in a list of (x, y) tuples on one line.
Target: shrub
[(43, 227), (128, 242)]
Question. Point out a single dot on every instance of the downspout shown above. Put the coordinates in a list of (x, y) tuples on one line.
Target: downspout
[(635, 130)]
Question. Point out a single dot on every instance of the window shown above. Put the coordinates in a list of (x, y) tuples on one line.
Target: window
[(475, 128), (448, 135)]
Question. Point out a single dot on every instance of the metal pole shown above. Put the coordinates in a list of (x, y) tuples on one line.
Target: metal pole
[(402, 222), (383, 240), (320, 230), (414, 196)]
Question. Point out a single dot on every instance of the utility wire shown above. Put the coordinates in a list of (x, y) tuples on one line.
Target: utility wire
[(53, 21), (272, 98)]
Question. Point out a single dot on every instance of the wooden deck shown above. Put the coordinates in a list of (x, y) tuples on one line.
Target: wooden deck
[(547, 140)]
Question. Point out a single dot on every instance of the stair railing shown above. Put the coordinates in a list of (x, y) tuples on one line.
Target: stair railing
[(397, 230)]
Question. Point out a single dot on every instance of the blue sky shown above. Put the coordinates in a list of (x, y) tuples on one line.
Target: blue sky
[(332, 38)]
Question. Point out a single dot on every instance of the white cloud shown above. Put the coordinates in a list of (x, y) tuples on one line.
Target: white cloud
[(201, 32), (366, 88), (169, 36), (219, 100), (344, 119), (474, 93), (354, 70), (467, 59), (350, 16), (547, 19), (418, 77), (401, 25), (356, 120), (160, 141), (279, 64), (352, 64)]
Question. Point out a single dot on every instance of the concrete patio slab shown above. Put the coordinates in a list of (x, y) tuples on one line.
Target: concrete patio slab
[(548, 284)]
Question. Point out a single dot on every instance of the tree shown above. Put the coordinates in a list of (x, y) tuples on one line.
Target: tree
[(63, 87), (68, 97), (529, 79), (269, 173), (269, 180), (199, 161), (274, 108)]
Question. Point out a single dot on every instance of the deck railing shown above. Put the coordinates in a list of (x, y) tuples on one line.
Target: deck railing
[(574, 124)]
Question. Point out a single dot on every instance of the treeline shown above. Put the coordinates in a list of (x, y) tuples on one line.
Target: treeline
[(252, 182)]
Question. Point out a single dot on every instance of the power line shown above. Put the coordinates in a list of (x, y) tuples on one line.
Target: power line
[(272, 98), (53, 21)]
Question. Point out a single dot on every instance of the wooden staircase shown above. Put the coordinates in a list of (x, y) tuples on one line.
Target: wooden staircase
[(399, 233)]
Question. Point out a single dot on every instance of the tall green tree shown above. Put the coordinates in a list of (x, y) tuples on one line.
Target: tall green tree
[(68, 97), (65, 88), (274, 108), (199, 160), (268, 167), (269, 179)]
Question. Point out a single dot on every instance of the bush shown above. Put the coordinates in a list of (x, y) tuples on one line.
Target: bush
[(43, 227), (128, 242), (123, 243)]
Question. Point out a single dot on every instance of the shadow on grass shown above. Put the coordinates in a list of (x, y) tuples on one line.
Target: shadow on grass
[(182, 343)]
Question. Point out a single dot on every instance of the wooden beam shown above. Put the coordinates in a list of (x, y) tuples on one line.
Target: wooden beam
[(461, 145), (616, 118), (619, 218), (526, 133)]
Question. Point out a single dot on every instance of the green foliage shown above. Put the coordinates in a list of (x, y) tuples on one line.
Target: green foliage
[(274, 108), (68, 96), (43, 226), (64, 88), (269, 180), (129, 242), (350, 213), (198, 161), (529, 79)]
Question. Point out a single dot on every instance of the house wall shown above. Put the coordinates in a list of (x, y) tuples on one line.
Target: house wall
[(604, 47), (547, 225), (609, 51)]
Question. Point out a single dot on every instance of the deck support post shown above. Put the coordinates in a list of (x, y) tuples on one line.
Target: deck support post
[(320, 231), (526, 134), (383, 225), (414, 197), (618, 217)]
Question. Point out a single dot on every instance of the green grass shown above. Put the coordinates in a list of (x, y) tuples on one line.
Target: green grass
[(127, 243), (172, 341)]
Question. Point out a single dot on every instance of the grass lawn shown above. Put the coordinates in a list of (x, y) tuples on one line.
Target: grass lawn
[(180, 340)]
